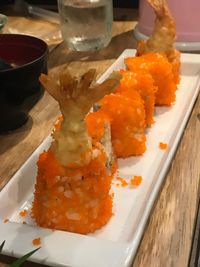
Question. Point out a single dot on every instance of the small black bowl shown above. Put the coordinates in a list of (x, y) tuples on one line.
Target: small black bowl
[(25, 58)]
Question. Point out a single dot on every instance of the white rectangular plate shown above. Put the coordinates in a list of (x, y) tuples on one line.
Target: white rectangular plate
[(115, 244)]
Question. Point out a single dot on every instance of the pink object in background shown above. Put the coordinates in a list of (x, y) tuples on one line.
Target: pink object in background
[(186, 14)]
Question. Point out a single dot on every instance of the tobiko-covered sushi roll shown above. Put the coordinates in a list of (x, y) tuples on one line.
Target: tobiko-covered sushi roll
[(72, 190), (161, 71), (127, 118), (143, 83)]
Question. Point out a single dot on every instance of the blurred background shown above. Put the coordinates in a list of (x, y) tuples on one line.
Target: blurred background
[(53, 3)]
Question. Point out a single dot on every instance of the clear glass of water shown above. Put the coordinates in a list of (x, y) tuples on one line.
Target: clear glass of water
[(3, 20), (86, 25)]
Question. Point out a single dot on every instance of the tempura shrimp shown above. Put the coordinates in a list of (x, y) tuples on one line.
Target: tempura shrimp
[(163, 37), (164, 33), (72, 145)]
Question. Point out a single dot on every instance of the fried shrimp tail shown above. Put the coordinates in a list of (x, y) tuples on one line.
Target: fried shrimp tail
[(72, 144), (163, 37), (164, 33)]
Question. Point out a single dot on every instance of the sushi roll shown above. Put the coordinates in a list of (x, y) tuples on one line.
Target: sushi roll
[(161, 71), (143, 83), (127, 117), (72, 190)]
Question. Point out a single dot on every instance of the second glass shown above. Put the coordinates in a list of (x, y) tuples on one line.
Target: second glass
[(86, 25)]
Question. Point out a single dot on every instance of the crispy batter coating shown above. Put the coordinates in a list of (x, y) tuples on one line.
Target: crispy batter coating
[(75, 96), (163, 37), (164, 32)]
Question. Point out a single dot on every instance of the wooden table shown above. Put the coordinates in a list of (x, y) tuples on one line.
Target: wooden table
[(168, 236)]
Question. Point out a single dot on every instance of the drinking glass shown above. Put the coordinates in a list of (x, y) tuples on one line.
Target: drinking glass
[(3, 20), (86, 25)]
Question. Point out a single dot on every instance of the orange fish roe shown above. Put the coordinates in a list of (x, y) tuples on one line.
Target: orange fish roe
[(163, 146), (96, 122), (144, 84), (172, 56), (127, 118), (161, 70), (136, 180), (23, 213), (123, 181), (36, 241), (6, 220), (75, 200)]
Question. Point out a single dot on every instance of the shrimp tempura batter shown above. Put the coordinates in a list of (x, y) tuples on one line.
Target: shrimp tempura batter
[(72, 145), (164, 33), (163, 37)]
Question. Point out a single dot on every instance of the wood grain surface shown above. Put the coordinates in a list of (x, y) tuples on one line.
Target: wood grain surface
[(169, 231)]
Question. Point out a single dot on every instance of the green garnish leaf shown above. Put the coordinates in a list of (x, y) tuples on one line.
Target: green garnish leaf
[(2, 245), (21, 260)]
